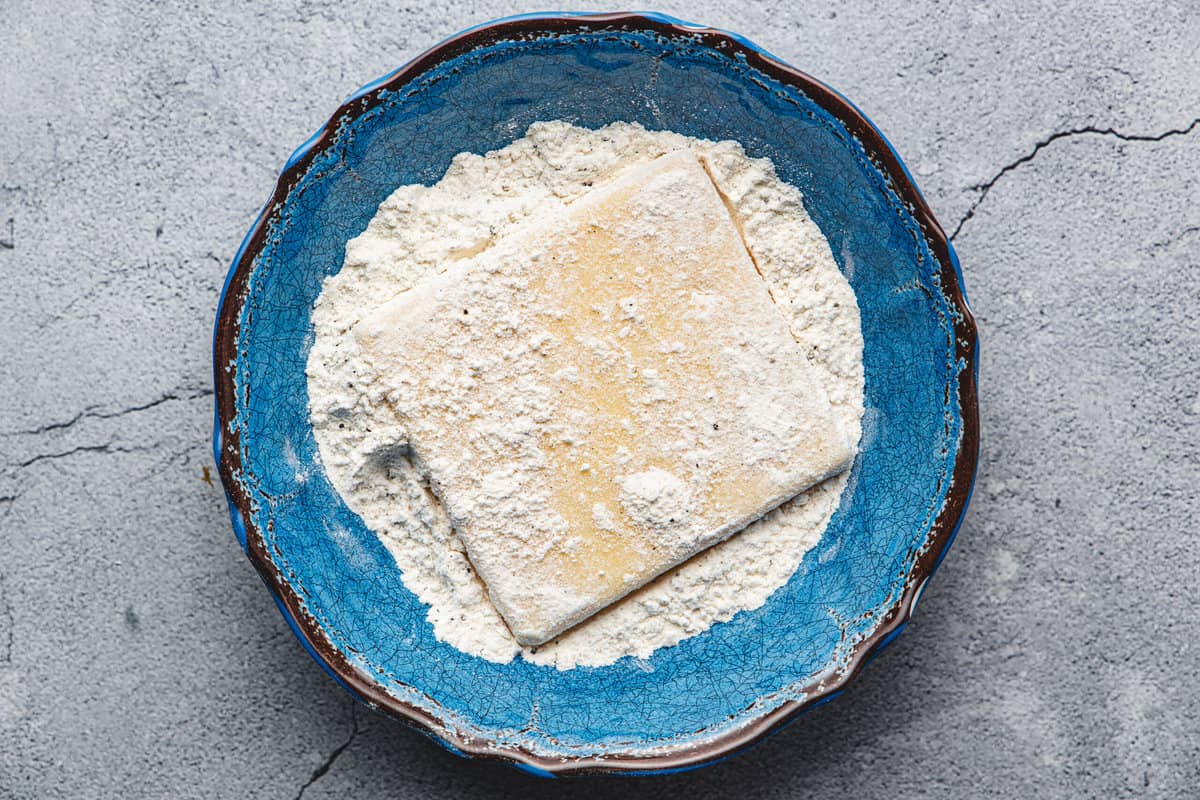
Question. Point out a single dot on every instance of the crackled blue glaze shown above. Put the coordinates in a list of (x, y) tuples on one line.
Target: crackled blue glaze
[(483, 100)]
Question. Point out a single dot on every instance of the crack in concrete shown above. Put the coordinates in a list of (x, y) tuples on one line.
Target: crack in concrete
[(106, 448), (1173, 240), (986, 187), (327, 765), (1121, 71), (91, 413)]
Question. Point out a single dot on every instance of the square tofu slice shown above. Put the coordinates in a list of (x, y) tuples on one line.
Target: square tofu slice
[(603, 394)]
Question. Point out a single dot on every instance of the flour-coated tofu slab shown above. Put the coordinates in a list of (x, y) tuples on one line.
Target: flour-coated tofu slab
[(603, 394)]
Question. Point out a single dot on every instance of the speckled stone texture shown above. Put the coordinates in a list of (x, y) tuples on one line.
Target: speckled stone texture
[(1053, 655)]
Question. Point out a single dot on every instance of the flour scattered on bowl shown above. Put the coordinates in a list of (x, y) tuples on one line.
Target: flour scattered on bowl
[(419, 232)]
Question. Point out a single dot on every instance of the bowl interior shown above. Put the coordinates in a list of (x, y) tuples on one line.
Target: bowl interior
[(483, 98)]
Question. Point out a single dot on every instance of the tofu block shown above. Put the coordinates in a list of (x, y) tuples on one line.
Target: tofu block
[(602, 394)]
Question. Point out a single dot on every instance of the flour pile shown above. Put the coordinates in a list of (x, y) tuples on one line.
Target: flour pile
[(418, 232)]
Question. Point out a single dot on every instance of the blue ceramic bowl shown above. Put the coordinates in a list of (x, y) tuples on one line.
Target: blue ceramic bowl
[(710, 695)]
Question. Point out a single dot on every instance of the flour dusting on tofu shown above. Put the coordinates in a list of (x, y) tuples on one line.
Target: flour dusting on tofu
[(602, 339), (483, 201)]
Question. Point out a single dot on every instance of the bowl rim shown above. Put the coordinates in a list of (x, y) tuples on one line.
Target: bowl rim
[(942, 531)]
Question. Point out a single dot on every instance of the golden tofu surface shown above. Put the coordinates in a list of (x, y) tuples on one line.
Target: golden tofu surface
[(602, 394)]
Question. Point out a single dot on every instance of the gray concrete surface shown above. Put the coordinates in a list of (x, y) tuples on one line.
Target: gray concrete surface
[(1055, 654)]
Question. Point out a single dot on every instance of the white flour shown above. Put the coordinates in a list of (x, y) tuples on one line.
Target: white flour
[(417, 232)]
